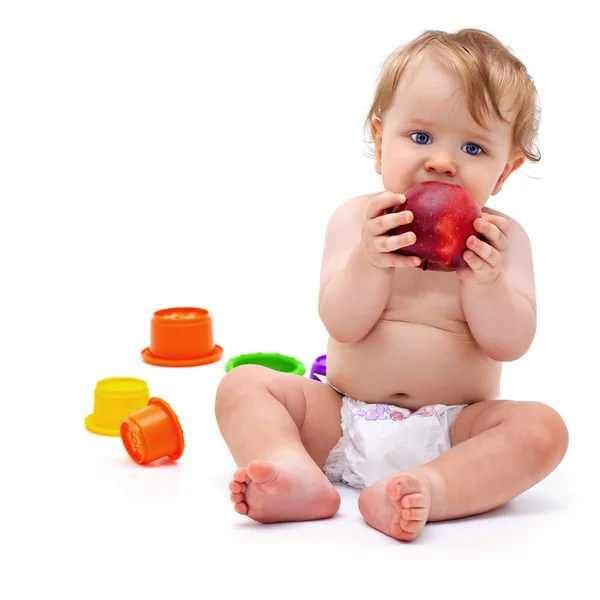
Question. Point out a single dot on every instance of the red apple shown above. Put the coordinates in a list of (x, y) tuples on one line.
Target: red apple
[(443, 220)]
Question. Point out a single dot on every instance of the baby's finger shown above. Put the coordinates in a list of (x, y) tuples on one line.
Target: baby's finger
[(399, 261), (485, 251), (390, 243), (385, 223), (477, 264), (492, 234), (501, 223), (383, 201)]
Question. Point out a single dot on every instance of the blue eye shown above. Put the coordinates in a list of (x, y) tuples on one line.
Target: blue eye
[(473, 149), (420, 137)]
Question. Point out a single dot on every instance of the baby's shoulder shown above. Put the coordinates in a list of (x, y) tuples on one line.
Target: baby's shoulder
[(352, 209)]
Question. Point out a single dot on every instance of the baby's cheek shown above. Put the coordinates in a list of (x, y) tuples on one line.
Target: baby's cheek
[(393, 181)]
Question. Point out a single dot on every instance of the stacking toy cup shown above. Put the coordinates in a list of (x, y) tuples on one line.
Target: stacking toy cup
[(153, 433), (114, 399), (277, 362), (319, 368), (181, 337)]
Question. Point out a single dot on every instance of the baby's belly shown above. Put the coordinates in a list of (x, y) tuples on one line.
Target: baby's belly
[(413, 365)]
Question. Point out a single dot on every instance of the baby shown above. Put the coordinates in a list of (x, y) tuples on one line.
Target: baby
[(410, 413)]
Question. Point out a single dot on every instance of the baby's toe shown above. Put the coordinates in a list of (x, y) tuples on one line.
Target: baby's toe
[(236, 487), (235, 498), (414, 501), (411, 526), (241, 475), (241, 508), (414, 514)]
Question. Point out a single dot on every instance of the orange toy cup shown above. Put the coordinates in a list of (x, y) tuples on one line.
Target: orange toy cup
[(181, 337), (153, 433)]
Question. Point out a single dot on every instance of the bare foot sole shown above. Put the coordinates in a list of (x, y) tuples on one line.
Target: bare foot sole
[(271, 492), (398, 506)]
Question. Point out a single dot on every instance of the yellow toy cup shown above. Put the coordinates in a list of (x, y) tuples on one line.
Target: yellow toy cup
[(114, 400)]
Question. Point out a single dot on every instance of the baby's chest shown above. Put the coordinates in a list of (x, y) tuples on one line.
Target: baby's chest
[(425, 297)]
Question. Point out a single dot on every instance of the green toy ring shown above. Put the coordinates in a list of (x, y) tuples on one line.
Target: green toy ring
[(277, 362)]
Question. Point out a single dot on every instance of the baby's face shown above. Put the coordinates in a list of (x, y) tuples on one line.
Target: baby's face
[(428, 134)]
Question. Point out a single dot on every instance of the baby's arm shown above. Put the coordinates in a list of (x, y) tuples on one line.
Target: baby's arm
[(354, 291), (502, 314)]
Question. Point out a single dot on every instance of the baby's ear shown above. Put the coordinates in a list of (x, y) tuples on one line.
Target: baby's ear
[(376, 132), (510, 167)]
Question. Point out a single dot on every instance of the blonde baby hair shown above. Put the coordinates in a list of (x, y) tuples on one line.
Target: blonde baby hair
[(488, 72)]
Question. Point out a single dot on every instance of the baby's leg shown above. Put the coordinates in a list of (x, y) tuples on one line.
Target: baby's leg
[(280, 429), (502, 449)]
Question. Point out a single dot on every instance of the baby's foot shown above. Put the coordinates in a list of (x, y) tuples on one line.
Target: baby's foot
[(398, 506), (270, 492)]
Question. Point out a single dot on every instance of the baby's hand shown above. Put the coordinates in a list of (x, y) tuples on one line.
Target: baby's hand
[(378, 246), (485, 260)]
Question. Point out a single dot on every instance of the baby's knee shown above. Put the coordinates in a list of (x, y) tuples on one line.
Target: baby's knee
[(238, 383), (548, 434)]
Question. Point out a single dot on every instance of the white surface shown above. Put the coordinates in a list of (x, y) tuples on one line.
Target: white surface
[(168, 154)]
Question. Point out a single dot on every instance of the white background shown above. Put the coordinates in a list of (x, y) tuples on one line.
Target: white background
[(159, 154)]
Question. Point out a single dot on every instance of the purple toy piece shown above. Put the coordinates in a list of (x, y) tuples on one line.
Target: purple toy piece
[(319, 368)]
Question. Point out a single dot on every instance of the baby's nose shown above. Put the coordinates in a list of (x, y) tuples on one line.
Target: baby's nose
[(442, 164)]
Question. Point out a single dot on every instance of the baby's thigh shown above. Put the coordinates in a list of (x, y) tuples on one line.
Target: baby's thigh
[(315, 408)]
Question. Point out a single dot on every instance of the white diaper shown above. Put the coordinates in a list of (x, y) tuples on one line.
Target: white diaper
[(379, 440)]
